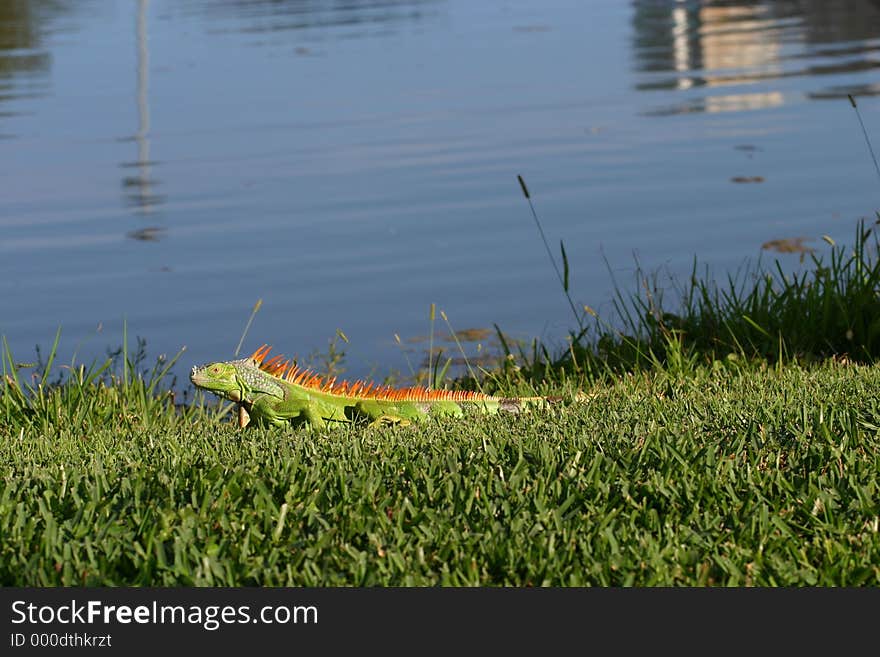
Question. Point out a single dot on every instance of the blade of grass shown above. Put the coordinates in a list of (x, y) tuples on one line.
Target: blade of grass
[(852, 102), (247, 326), (412, 371), (562, 282), (461, 350), (51, 358), (155, 380), (124, 353), (565, 270), (432, 317)]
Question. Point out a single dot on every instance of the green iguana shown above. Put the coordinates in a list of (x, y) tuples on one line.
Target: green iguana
[(273, 391)]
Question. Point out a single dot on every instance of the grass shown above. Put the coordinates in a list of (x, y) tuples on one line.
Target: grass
[(725, 475), (829, 309), (734, 441), (718, 452)]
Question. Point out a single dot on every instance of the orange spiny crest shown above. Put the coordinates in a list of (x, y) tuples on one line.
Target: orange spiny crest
[(295, 373), (260, 353), (271, 363), (290, 371)]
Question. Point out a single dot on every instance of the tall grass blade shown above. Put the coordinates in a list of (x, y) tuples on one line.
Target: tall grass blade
[(161, 375), (461, 350), (432, 316), (12, 386), (51, 358), (564, 266), (440, 375), (247, 326), (412, 371), (13, 397), (562, 282), (852, 102), (124, 353), (502, 340)]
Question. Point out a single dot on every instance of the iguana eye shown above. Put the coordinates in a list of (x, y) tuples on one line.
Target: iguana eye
[(215, 369)]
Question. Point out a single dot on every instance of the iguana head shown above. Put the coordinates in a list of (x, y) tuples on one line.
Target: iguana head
[(220, 378), (237, 380)]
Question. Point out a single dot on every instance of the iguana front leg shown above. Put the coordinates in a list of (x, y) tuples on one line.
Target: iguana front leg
[(271, 410), (243, 417)]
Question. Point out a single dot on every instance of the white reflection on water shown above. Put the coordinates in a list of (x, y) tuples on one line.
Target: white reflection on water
[(708, 45)]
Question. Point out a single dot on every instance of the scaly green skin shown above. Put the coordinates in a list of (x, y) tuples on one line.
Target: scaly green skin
[(272, 400)]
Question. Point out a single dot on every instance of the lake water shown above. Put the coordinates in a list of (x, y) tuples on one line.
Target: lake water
[(170, 162)]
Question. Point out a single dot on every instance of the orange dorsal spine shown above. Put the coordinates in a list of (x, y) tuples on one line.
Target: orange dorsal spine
[(291, 372)]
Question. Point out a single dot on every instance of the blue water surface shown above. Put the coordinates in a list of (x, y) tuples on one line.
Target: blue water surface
[(168, 163)]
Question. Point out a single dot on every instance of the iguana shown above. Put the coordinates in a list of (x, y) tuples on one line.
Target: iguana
[(275, 391)]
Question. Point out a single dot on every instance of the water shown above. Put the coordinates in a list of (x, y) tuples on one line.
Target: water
[(168, 163)]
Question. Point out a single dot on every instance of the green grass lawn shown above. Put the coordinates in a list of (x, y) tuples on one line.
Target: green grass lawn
[(728, 474), (731, 442)]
